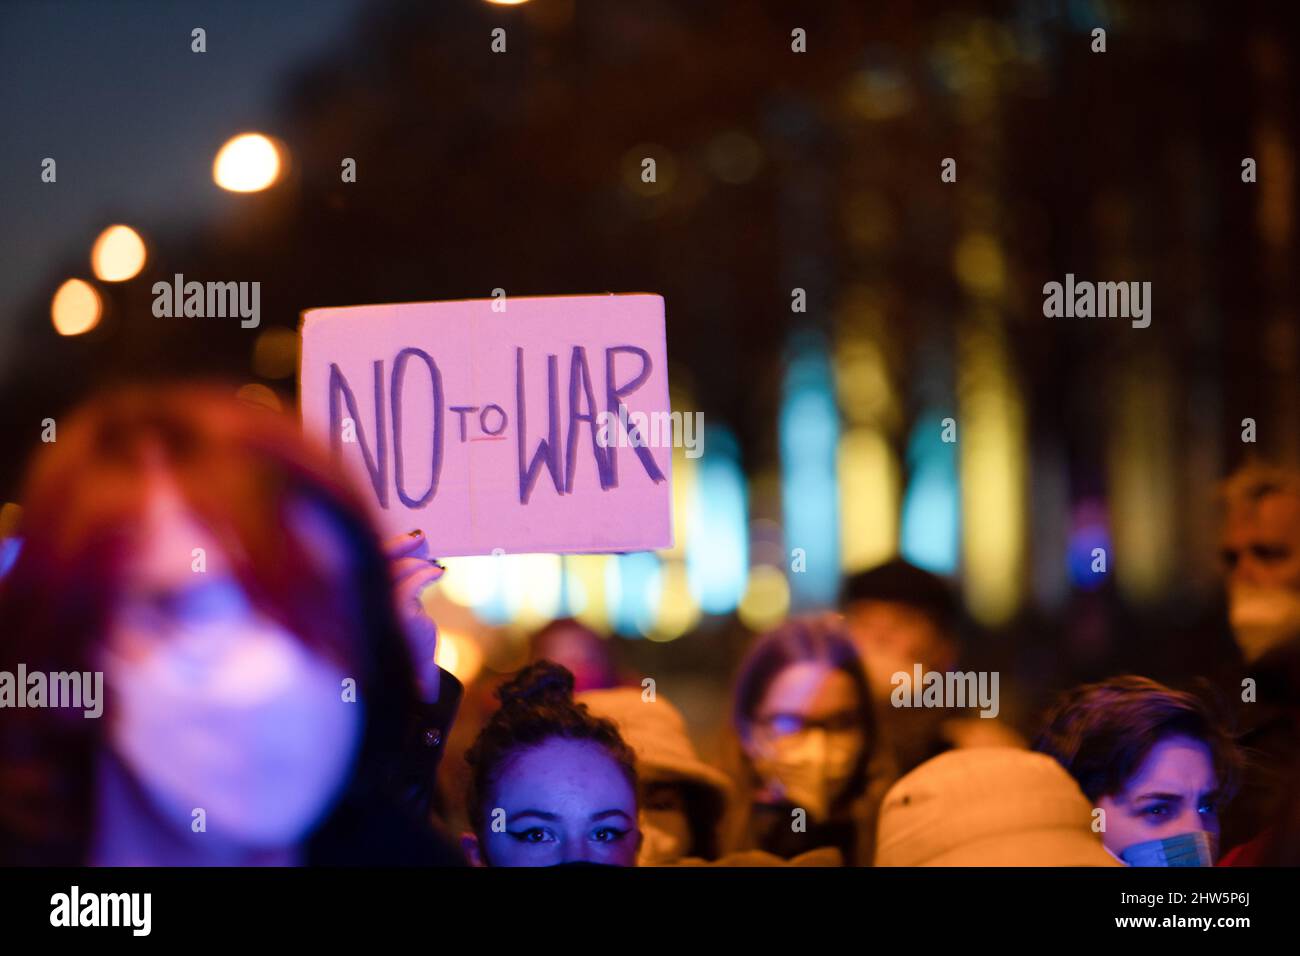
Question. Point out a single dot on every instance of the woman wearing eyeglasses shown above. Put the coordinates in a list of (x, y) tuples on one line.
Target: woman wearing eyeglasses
[(813, 767)]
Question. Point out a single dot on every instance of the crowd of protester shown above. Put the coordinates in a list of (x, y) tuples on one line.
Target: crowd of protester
[(283, 707)]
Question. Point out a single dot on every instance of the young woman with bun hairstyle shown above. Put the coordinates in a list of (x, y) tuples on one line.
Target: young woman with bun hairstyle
[(550, 783)]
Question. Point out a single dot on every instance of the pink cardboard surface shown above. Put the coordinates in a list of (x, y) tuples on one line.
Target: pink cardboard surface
[(511, 430)]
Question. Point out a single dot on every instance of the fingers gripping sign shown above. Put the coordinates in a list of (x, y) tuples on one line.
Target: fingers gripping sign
[(414, 571)]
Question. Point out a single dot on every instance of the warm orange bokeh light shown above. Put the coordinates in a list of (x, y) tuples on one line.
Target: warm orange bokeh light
[(118, 254), (275, 353), (459, 655), (247, 163), (76, 308), (257, 394)]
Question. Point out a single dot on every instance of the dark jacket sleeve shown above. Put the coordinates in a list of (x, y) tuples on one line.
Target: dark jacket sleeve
[(426, 738), (391, 823)]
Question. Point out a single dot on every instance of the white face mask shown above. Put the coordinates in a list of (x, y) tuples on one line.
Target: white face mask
[(242, 721), (811, 768), (1263, 618)]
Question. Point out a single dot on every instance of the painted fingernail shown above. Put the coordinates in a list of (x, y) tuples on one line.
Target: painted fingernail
[(414, 534)]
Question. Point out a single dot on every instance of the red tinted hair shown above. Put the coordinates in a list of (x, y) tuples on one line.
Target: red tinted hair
[(245, 473)]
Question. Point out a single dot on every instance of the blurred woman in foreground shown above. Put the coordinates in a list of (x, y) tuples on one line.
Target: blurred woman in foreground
[(259, 694)]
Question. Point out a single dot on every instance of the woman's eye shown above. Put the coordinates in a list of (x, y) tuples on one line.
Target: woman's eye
[(531, 835), (785, 724), (1156, 810), (1208, 808), (663, 801), (609, 835)]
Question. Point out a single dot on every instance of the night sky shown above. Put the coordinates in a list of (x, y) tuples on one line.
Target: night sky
[(111, 90)]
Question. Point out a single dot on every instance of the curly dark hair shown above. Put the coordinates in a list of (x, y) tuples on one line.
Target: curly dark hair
[(536, 706), (1101, 733)]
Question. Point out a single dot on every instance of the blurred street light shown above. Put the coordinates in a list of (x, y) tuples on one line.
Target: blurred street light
[(76, 308), (247, 163), (118, 254)]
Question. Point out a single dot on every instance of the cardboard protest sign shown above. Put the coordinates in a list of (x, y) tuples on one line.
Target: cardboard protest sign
[(498, 424)]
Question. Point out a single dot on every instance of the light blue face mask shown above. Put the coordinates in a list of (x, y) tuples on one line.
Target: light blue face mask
[(1186, 849)]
